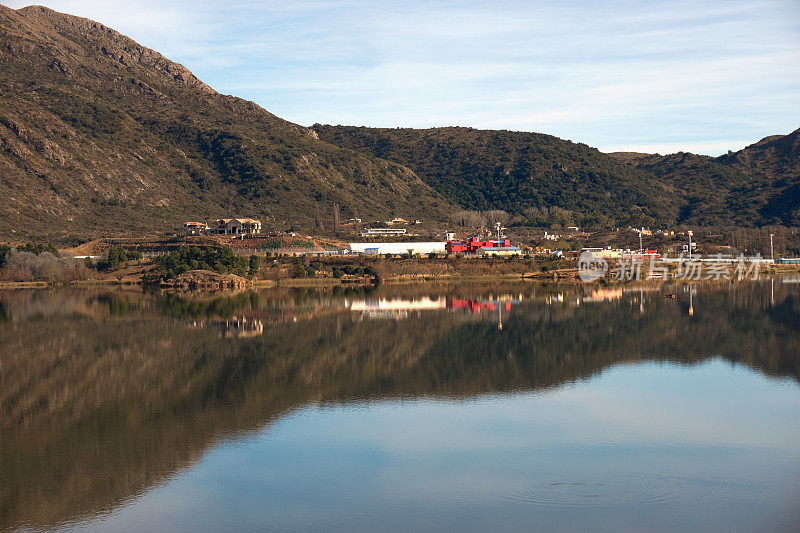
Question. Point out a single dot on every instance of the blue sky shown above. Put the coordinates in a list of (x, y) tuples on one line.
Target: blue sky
[(660, 76)]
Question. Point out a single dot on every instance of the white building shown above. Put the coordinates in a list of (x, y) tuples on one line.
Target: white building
[(194, 228), (397, 248), (377, 232), (498, 251), (237, 226)]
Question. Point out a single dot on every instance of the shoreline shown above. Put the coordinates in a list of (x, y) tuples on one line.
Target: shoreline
[(406, 279)]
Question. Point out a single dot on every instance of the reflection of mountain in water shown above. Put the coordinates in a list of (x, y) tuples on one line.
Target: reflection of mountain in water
[(102, 395)]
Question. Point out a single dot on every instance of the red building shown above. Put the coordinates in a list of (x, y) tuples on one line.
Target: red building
[(646, 255), (472, 245)]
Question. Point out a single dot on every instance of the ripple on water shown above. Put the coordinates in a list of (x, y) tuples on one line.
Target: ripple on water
[(600, 490)]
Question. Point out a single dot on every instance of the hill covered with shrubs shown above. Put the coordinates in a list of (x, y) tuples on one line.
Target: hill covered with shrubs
[(100, 135), (544, 180)]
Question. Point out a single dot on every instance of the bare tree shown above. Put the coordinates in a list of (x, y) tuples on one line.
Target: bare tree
[(495, 216), (469, 219), (26, 266)]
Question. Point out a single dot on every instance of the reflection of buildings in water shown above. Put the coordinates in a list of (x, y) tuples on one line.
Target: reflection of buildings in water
[(635, 295), (639, 294), (499, 304), (385, 313), (473, 306), (476, 306), (604, 295), (385, 304), (395, 308), (401, 308), (243, 327), (234, 328)]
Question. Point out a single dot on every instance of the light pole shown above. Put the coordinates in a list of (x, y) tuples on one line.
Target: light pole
[(690, 243), (771, 249), (641, 248)]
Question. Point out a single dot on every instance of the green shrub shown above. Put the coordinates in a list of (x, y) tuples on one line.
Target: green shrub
[(116, 256), (38, 248), (302, 270), (222, 260), (255, 265), (4, 250)]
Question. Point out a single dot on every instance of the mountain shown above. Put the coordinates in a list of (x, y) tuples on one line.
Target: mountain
[(540, 177), (545, 179), (100, 135), (777, 159), (757, 185)]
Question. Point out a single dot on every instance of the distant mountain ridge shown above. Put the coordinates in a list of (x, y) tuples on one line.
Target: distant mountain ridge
[(541, 177), (757, 185), (100, 135), (524, 172)]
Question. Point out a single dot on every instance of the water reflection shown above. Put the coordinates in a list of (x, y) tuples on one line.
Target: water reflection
[(105, 394)]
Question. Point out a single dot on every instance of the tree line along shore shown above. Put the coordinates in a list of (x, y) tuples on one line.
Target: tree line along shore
[(221, 267)]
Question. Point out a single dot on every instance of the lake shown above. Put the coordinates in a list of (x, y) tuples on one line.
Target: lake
[(433, 407)]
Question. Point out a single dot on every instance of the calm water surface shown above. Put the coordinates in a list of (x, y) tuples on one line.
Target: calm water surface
[(438, 407)]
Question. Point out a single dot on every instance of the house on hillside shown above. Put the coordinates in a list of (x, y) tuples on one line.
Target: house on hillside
[(236, 226), (194, 228)]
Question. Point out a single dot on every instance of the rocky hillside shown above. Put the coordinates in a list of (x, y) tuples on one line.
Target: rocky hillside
[(757, 185), (100, 135), (543, 179)]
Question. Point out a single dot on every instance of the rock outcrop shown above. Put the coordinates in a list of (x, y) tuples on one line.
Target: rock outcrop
[(207, 280)]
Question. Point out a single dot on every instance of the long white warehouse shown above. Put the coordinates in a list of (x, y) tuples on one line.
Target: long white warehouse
[(376, 248)]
